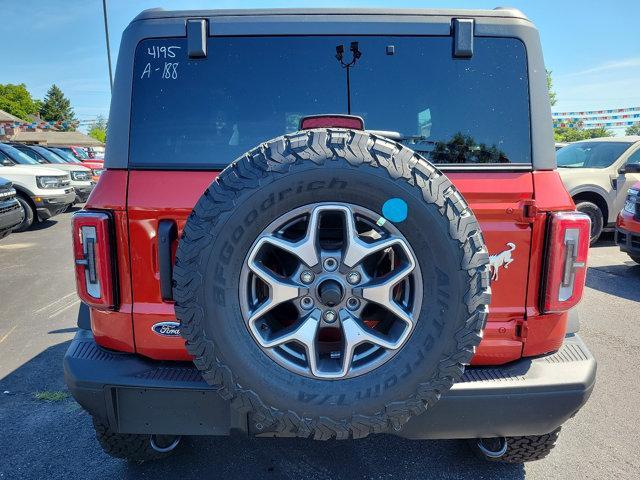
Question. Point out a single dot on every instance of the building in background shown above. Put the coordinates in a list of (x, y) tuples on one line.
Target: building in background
[(39, 132), (616, 119)]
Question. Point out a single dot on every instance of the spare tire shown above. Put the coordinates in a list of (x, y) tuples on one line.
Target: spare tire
[(332, 284)]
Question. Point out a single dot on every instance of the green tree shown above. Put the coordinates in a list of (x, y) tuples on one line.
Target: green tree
[(567, 134), (552, 94), (16, 100), (98, 129), (57, 108), (633, 129)]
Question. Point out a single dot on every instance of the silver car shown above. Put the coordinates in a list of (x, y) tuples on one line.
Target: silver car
[(597, 173)]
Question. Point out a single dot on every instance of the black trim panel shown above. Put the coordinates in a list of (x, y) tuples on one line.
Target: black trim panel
[(137, 395)]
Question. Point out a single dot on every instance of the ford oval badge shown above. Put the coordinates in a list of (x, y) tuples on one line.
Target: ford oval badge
[(167, 329)]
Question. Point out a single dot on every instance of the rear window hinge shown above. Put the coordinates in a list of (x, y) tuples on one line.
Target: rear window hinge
[(463, 31), (197, 37), (527, 211)]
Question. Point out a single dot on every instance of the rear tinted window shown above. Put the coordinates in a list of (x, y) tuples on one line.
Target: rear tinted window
[(204, 113)]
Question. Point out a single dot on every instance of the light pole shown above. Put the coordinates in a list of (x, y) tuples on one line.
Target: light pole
[(106, 33)]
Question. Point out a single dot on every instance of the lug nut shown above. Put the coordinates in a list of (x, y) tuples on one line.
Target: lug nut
[(353, 303), (353, 278), (330, 264), (330, 316), (307, 277), (306, 303)]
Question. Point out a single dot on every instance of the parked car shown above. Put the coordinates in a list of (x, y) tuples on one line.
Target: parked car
[(597, 174), (42, 192), (80, 175), (251, 263), (11, 214), (78, 152), (95, 152), (628, 224), (95, 164)]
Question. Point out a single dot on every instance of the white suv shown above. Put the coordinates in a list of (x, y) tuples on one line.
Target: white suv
[(80, 175), (42, 191), (597, 174)]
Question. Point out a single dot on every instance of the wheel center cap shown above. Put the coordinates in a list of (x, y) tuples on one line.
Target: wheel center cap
[(330, 292)]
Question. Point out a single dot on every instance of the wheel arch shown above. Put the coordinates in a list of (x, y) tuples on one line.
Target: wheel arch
[(26, 194), (596, 198)]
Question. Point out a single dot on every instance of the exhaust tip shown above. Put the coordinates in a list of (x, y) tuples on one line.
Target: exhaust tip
[(495, 449), (153, 441)]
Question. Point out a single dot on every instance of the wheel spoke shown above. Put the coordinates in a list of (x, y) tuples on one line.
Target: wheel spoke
[(306, 250), (280, 290), (304, 333), (354, 335), (357, 249), (380, 291)]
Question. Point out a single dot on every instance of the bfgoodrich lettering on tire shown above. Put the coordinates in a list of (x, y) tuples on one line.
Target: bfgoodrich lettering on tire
[(314, 313)]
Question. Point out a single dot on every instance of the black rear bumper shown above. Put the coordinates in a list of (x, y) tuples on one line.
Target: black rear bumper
[(628, 241), (136, 395)]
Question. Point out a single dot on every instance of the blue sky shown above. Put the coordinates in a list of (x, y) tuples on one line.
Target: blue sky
[(592, 48)]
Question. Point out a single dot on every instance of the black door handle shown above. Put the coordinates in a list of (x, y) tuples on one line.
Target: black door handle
[(167, 233)]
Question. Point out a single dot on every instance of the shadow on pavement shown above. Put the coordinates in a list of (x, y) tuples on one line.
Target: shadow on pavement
[(617, 280), (42, 439), (40, 225), (606, 240), (64, 330), (376, 457)]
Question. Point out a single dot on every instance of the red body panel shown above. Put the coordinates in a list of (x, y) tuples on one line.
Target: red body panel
[(543, 333), (150, 200), (626, 221), (497, 208), (115, 329), (496, 199), (515, 326)]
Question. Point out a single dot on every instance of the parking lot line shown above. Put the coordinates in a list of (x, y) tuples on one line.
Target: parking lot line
[(55, 302), (6, 335)]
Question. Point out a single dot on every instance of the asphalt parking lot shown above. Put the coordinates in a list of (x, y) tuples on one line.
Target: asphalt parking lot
[(45, 434)]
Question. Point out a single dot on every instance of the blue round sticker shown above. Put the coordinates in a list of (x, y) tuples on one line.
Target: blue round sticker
[(395, 210)]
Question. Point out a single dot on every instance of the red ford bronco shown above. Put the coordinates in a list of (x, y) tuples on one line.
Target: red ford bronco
[(329, 224)]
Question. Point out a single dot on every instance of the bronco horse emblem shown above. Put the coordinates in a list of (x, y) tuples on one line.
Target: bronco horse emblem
[(502, 259)]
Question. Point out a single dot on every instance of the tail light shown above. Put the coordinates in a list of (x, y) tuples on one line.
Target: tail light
[(92, 252), (566, 267)]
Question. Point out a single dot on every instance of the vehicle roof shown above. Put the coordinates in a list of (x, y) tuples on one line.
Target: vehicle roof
[(627, 138), (498, 12)]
